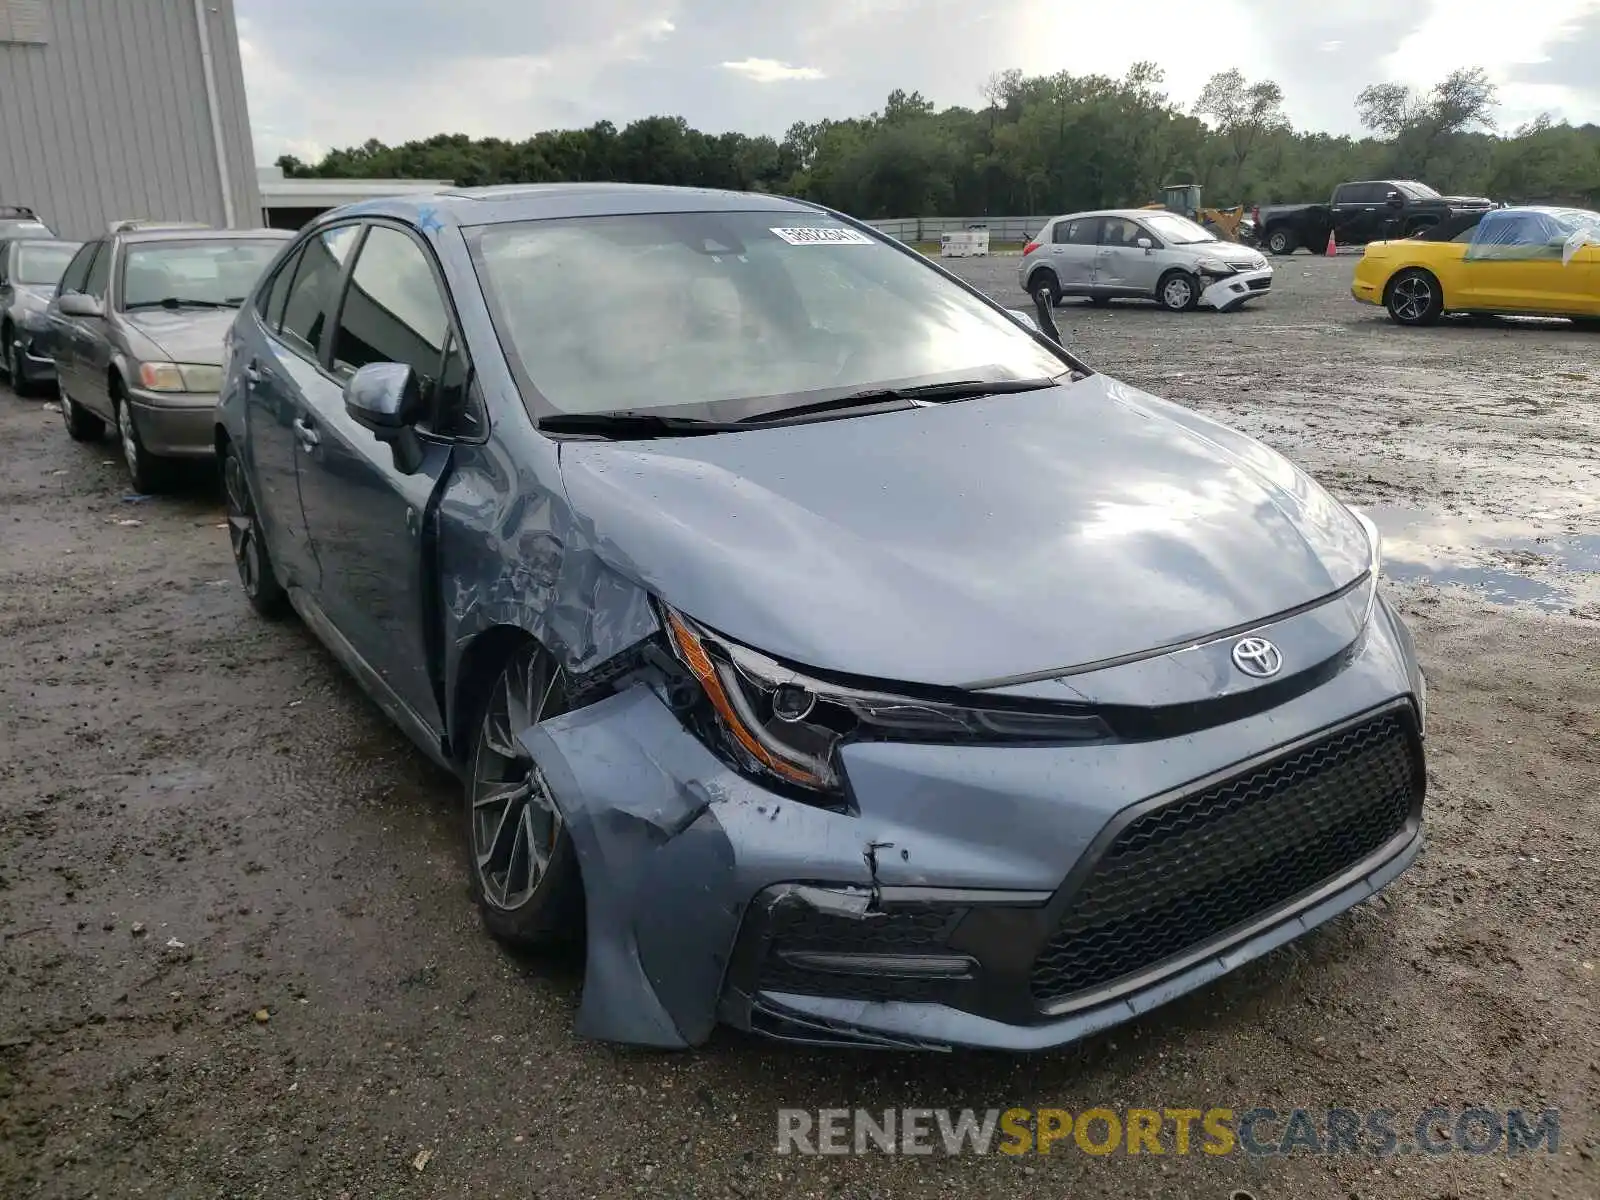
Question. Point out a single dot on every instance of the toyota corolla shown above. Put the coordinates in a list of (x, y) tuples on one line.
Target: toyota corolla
[(832, 651)]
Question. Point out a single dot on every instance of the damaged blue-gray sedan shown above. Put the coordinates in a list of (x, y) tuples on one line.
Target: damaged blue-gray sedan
[(825, 645)]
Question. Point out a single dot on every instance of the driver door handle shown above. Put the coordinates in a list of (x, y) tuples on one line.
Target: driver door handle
[(309, 437)]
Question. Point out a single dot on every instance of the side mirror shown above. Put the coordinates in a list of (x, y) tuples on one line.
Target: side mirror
[(1145, 244), (386, 399), (76, 304), (383, 397)]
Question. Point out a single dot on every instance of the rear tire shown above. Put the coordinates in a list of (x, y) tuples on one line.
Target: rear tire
[(1282, 241), (82, 425), (1178, 291), (1045, 278), (523, 868), (1414, 298), (11, 354)]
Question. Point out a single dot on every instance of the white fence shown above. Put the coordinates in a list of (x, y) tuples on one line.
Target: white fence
[(932, 229)]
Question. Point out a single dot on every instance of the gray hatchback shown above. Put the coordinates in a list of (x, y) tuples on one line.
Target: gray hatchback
[(135, 331)]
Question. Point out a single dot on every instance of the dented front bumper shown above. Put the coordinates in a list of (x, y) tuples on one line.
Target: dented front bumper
[(1231, 291), (939, 909)]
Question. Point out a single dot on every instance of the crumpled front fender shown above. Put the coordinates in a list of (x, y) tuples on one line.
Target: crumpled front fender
[(671, 845)]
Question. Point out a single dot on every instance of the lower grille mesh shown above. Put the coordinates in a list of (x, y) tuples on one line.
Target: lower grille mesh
[(1184, 873), (910, 932)]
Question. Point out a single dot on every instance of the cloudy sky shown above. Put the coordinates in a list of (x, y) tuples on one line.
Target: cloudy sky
[(323, 74)]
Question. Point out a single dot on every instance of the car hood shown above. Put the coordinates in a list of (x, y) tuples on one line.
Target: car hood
[(190, 335), (968, 542), (1231, 252)]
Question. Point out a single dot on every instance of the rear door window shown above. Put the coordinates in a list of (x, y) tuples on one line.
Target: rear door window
[(1085, 231), (309, 302)]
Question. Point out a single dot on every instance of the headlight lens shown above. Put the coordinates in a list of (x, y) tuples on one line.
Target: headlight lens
[(1374, 541), (1374, 558), (789, 725), (1216, 268), (179, 377)]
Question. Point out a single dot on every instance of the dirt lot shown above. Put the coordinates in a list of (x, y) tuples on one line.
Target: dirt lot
[(237, 956)]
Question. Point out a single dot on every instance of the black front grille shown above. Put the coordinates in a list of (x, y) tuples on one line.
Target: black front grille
[(1183, 874), (1259, 285), (803, 929)]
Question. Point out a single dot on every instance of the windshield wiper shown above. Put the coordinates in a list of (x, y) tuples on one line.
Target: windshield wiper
[(632, 424), (933, 393), (178, 302)]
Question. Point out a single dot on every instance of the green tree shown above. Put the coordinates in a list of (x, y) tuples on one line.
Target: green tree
[(1244, 115)]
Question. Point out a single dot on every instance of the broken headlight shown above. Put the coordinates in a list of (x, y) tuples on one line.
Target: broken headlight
[(789, 725)]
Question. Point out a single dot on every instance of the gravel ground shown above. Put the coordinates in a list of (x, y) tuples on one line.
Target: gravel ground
[(237, 956)]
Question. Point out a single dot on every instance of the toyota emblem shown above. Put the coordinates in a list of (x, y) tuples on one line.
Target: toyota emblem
[(1258, 657)]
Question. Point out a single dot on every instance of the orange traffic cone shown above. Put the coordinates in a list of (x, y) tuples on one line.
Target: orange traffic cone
[(1333, 246)]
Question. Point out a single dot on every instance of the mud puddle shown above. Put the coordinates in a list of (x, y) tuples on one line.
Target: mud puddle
[(1502, 560)]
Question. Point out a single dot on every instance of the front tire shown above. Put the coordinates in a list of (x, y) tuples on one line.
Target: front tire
[(260, 581), (11, 352), (1414, 298), (147, 472), (1281, 241), (524, 870), (1178, 291)]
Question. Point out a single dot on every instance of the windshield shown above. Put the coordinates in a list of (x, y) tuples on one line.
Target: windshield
[(728, 314), (212, 273), (1178, 231), (43, 262), (1416, 191)]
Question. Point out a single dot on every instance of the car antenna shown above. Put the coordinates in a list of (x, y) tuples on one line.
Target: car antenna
[(1047, 322)]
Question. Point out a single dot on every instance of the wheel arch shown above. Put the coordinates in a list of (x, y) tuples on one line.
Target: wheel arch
[(479, 666), (1038, 269), (1425, 268)]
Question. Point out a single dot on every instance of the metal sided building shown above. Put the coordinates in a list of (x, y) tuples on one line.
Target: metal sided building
[(124, 108)]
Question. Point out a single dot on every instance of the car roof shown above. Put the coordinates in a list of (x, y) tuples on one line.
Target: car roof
[(1117, 212), (199, 235), (548, 201)]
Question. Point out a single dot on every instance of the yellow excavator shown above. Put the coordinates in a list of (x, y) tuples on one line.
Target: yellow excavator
[(1231, 224)]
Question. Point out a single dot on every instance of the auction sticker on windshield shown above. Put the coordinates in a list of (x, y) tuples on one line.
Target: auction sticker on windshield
[(817, 235)]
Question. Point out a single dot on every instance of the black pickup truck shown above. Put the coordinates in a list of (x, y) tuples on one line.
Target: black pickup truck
[(1360, 212)]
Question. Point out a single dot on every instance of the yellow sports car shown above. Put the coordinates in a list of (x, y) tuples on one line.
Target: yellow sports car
[(1517, 261)]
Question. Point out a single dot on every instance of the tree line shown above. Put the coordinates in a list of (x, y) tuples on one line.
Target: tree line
[(1045, 143)]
